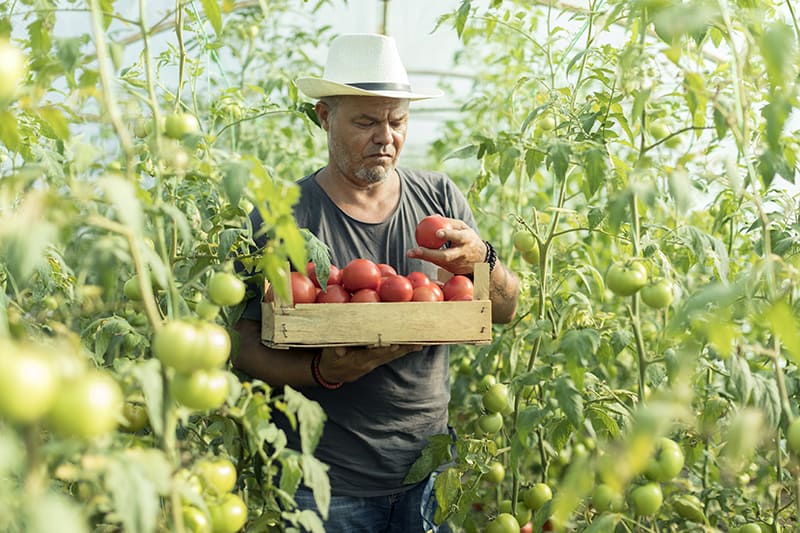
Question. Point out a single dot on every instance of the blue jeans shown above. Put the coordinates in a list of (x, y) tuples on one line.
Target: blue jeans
[(407, 512)]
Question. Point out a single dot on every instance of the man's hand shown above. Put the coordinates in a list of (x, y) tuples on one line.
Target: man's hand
[(348, 363), (466, 248)]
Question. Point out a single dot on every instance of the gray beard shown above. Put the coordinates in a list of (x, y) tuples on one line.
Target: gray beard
[(374, 174)]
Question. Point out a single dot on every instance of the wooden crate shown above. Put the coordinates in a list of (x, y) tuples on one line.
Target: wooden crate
[(380, 324)]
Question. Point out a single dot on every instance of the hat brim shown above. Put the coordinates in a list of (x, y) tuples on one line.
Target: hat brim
[(319, 88)]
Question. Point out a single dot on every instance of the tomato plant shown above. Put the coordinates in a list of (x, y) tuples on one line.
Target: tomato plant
[(361, 274), (426, 231)]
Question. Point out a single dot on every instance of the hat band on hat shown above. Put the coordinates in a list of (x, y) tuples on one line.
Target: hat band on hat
[(381, 86)]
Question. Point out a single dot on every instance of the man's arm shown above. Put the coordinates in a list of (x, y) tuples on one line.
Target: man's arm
[(279, 367)]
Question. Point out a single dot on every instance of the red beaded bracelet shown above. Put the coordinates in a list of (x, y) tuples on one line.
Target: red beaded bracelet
[(318, 376)]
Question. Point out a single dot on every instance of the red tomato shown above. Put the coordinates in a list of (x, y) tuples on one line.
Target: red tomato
[(334, 275), (438, 290), (396, 289), (386, 270), (361, 274), (458, 288), (419, 279), (336, 294), (527, 528), (425, 294), (365, 296), (303, 289), (426, 231)]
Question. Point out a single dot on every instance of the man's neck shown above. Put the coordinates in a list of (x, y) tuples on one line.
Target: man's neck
[(368, 202)]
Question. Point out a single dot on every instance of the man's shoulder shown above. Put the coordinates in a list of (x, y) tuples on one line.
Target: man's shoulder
[(425, 178)]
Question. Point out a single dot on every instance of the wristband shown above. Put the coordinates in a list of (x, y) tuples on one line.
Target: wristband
[(491, 256), (315, 373)]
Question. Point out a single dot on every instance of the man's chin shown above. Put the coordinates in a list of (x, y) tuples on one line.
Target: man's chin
[(374, 174)]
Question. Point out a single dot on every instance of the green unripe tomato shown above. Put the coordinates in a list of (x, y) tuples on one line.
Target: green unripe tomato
[(531, 256), (495, 400), (179, 125), (646, 500), (751, 527), (28, 384), (537, 495), (201, 389), (206, 310), (547, 123), (667, 461), (134, 417), (225, 289), (229, 515), (490, 423), (657, 293), (12, 70), (793, 436), (88, 406), (624, 279), (486, 382), (132, 290), (496, 472), (604, 499), (196, 521), (218, 474), (504, 523), (524, 241)]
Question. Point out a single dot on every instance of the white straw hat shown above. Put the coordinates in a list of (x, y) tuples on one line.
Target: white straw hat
[(362, 64)]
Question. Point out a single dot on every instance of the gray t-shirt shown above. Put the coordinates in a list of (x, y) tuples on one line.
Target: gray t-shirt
[(378, 425)]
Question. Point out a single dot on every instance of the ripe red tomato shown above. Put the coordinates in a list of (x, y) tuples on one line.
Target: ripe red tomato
[(303, 290), (396, 289), (425, 294), (386, 270), (438, 291), (361, 274), (365, 296), (419, 279), (334, 274), (458, 288), (333, 294), (425, 232)]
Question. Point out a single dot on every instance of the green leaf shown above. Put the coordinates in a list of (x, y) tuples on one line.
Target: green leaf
[(9, 131), (529, 419), (448, 488), (148, 375), (604, 523), (533, 159), (54, 122), (570, 400), (320, 254), (783, 324), (740, 379), (596, 166), (604, 425), (579, 344), (558, 157), (595, 216), (214, 15), (465, 152), (236, 175), (777, 45), (291, 473), (461, 17), (720, 123), (310, 416), (437, 452), (136, 495), (121, 194), (776, 112), (508, 159), (315, 476), (639, 105)]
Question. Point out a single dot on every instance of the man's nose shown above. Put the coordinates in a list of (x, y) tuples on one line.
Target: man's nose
[(382, 134)]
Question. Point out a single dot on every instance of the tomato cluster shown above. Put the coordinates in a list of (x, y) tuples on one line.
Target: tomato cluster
[(72, 400), (196, 351), (212, 480), (362, 280)]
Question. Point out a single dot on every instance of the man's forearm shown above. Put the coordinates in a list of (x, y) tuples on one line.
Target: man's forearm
[(503, 292), (273, 366)]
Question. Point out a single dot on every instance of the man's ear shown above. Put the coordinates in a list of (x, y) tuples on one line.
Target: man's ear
[(323, 114)]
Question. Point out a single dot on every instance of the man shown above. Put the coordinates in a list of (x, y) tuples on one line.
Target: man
[(382, 403)]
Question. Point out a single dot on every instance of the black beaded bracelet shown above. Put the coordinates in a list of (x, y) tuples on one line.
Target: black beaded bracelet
[(315, 373), (491, 256)]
